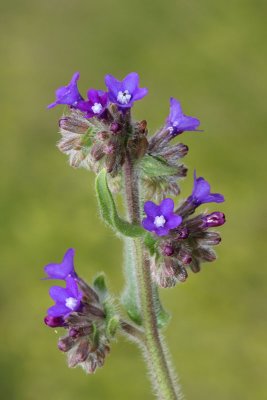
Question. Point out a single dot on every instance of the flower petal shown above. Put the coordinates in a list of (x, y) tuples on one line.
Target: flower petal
[(113, 85), (151, 209), (58, 293), (173, 221), (188, 123), (72, 287), (58, 310), (175, 110), (148, 224), (130, 82), (215, 198), (162, 231), (139, 94), (62, 270), (166, 206)]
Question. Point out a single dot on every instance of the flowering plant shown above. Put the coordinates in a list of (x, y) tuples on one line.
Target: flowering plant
[(163, 242)]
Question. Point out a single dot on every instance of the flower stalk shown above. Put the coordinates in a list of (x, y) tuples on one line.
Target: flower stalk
[(158, 364)]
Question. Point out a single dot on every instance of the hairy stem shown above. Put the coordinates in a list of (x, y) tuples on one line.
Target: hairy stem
[(158, 363), (133, 331)]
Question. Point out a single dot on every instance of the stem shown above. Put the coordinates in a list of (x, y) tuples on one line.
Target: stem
[(136, 333), (158, 365)]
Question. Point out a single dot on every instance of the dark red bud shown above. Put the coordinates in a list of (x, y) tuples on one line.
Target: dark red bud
[(167, 250), (212, 220), (184, 257), (54, 322), (183, 234), (115, 127)]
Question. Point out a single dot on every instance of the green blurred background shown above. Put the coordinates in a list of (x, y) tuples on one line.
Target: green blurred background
[(210, 55)]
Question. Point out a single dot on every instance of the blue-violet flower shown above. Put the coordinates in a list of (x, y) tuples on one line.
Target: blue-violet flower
[(177, 122), (69, 94), (95, 105), (67, 299), (124, 93), (160, 218), (63, 269), (201, 193)]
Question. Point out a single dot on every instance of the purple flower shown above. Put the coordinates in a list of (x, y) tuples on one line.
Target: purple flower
[(69, 94), (67, 299), (201, 193), (95, 105), (124, 93), (177, 122), (64, 269), (160, 218)]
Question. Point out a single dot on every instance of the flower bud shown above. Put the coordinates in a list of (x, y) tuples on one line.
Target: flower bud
[(184, 257), (195, 265), (182, 234), (83, 331), (115, 127), (167, 250), (142, 126), (182, 275), (210, 238), (54, 322), (65, 343), (206, 254), (214, 219)]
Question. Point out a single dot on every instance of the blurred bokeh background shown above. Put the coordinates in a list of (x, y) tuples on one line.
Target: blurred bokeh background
[(210, 55)]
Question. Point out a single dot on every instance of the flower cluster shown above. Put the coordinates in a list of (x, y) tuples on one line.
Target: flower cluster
[(183, 241), (95, 131), (98, 133), (82, 311)]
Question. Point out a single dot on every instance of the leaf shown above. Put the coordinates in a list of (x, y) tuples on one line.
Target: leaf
[(130, 297), (156, 166), (163, 317), (99, 284), (150, 242), (109, 211)]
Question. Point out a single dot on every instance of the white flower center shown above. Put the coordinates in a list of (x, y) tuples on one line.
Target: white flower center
[(97, 108), (124, 97), (159, 221), (71, 303)]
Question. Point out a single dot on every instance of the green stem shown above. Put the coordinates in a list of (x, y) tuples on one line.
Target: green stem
[(163, 378)]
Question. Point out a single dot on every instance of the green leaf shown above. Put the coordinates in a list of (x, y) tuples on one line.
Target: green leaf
[(163, 317), (99, 284), (150, 242), (156, 166), (130, 297), (109, 211)]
